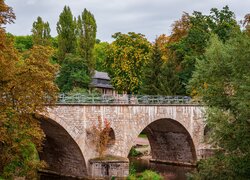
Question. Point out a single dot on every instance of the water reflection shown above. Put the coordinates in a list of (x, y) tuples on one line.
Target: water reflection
[(50, 176), (169, 172)]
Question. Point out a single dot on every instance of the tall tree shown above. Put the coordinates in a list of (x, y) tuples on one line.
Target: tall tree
[(222, 22), (195, 32), (162, 42), (246, 23), (127, 56), (87, 38), (67, 32), (6, 14), (160, 77), (222, 80), (41, 33), (180, 28), (25, 84), (100, 54), (73, 74)]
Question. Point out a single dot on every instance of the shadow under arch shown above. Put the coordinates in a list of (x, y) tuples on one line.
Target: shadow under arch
[(111, 141), (61, 153), (170, 142)]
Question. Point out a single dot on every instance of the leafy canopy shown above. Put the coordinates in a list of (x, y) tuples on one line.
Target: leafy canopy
[(26, 85), (222, 80), (67, 33), (23, 43), (159, 75), (100, 54), (191, 34), (87, 38), (41, 33), (73, 74), (126, 59)]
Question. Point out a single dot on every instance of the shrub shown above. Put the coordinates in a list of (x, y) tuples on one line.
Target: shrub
[(133, 152), (148, 174), (101, 136)]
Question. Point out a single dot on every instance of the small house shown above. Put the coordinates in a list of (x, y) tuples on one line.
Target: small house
[(101, 83)]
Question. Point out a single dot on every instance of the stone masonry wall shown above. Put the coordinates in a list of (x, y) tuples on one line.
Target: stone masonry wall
[(111, 168), (60, 152), (128, 121)]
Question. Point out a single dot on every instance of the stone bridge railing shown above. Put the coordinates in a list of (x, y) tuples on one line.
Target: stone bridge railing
[(122, 99)]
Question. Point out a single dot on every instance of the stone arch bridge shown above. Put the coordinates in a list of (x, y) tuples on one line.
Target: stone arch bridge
[(175, 133)]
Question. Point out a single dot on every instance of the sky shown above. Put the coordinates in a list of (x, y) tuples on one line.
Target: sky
[(149, 17)]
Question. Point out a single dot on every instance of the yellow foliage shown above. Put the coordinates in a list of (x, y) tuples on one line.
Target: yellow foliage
[(162, 42), (205, 85), (127, 56)]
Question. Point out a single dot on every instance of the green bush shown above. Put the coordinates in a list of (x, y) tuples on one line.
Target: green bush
[(146, 175), (143, 135), (132, 170), (133, 152), (132, 177)]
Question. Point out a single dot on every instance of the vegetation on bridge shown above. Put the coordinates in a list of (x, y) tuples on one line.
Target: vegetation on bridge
[(101, 136)]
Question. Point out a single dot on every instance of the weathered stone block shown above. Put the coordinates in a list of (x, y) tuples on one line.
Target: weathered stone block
[(108, 168)]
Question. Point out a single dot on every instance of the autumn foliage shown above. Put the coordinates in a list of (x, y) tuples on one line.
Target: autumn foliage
[(26, 85), (6, 13), (126, 59), (101, 136)]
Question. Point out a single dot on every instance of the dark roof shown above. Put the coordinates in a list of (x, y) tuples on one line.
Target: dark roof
[(101, 84), (101, 75)]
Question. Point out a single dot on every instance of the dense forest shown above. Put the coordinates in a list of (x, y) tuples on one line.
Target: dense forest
[(205, 56)]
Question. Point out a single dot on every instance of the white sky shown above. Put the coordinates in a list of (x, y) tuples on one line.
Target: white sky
[(149, 17)]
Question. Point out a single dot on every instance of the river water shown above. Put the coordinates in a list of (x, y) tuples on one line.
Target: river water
[(169, 172)]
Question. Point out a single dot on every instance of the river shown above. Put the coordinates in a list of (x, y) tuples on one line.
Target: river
[(169, 172)]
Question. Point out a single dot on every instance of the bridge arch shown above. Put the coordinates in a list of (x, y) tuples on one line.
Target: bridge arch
[(127, 122), (60, 151), (170, 141)]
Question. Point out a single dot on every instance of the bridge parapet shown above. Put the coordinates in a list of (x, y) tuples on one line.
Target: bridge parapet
[(122, 99)]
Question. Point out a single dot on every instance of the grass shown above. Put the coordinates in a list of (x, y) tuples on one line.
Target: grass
[(142, 135)]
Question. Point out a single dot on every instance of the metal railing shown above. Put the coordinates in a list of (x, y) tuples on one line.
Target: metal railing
[(121, 99)]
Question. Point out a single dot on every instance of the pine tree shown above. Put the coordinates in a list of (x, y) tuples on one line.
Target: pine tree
[(159, 76), (66, 29)]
